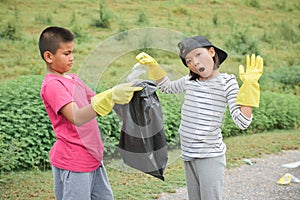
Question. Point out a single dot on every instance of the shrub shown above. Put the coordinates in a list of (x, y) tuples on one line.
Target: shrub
[(10, 152), (288, 32), (171, 108), (110, 128), (289, 76), (104, 16), (281, 110), (24, 124), (240, 43), (80, 35), (26, 134), (142, 19), (9, 32), (283, 79), (253, 3), (46, 19), (215, 20), (181, 11), (276, 111)]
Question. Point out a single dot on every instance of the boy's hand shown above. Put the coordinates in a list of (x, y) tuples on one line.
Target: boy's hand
[(120, 94), (154, 70), (123, 93), (249, 94)]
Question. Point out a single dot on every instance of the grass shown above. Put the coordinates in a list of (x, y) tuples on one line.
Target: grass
[(273, 26), (132, 185)]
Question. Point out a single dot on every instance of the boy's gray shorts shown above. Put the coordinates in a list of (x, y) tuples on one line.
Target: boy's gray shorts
[(81, 185)]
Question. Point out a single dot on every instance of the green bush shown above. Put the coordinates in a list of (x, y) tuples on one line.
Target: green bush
[(24, 124), (44, 18), (142, 19), (80, 35), (240, 43), (289, 76), (276, 111), (110, 128), (104, 16), (26, 134), (171, 108), (283, 79), (10, 152), (253, 3), (282, 111), (26, 131), (288, 32), (9, 32)]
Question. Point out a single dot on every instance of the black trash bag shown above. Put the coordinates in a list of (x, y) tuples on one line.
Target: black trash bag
[(142, 143)]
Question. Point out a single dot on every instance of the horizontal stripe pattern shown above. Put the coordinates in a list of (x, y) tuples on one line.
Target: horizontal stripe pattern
[(202, 112)]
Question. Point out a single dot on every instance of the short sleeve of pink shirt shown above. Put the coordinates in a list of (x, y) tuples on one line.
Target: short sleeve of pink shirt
[(78, 149)]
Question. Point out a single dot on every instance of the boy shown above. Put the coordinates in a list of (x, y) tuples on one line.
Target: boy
[(207, 94), (76, 156)]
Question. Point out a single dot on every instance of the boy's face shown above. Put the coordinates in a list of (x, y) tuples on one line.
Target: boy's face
[(62, 60), (200, 61)]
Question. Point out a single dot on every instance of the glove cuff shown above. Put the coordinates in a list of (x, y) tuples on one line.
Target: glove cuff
[(156, 72), (102, 103), (249, 95)]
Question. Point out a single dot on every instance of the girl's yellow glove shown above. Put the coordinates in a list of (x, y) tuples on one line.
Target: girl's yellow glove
[(249, 94), (154, 70), (104, 102)]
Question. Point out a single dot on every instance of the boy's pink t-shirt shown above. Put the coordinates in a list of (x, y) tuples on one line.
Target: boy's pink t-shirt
[(78, 149)]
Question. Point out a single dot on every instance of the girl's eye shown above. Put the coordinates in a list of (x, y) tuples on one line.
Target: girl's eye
[(198, 54), (188, 61)]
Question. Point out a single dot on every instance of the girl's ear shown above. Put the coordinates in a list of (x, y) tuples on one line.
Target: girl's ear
[(48, 56), (212, 51)]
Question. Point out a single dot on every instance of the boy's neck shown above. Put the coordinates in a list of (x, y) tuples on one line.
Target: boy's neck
[(58, 74)]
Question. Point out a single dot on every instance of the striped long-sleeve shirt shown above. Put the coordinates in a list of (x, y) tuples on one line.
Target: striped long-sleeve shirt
[(202, 113)]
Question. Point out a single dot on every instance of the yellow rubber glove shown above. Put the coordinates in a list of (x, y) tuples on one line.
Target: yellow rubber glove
[(154, 70), (249, 94), (120, 94)]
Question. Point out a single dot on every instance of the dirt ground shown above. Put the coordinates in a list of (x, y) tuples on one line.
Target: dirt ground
[(257, 181)]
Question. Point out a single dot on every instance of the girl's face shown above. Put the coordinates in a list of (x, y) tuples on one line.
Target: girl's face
[(200, 61)]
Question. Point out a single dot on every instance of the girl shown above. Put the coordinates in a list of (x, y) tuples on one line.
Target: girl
[(207, 94)]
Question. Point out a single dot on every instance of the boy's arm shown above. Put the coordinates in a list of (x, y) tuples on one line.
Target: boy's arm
[(78, 116), (101, 104)]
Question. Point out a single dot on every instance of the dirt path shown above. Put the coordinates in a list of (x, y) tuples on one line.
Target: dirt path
[(258, 181)]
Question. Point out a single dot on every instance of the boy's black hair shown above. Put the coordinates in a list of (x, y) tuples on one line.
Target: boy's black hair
[(51, 38)]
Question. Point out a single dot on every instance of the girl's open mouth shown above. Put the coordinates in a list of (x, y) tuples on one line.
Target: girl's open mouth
[(201, 69)]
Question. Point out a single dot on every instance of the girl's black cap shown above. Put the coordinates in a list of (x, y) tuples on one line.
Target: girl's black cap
[(191, 43)]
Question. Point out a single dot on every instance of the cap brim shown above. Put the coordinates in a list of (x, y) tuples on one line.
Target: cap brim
[(221, 54)]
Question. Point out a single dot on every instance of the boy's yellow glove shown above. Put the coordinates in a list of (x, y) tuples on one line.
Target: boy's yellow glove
[(154, 70), (120, 94), (249, 93)]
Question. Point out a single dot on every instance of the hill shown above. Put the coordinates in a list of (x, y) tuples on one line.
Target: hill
[(268, 28)]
